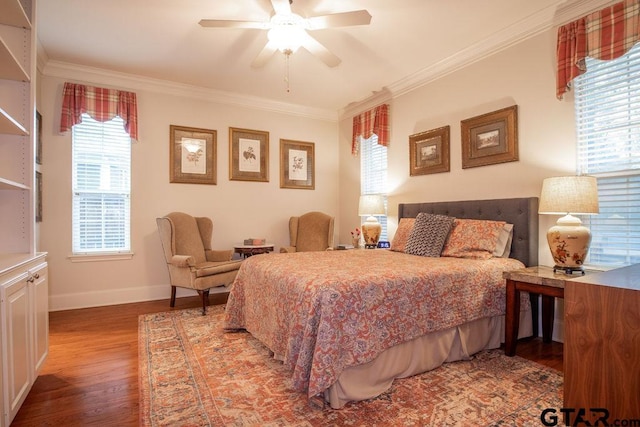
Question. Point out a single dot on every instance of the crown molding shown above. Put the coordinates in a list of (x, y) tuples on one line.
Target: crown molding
[(81, 73), (518, 32)]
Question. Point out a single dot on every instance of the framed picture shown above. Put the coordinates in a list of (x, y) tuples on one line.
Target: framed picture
[(429, 152), (491, 138), (248, 155), (297, 164), (38, 138), (38, 196), (192, 155)]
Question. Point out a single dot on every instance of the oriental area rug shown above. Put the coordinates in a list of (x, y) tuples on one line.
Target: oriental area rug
[(192, 373)]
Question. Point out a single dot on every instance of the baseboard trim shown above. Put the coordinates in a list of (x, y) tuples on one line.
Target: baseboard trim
[(121, 296)]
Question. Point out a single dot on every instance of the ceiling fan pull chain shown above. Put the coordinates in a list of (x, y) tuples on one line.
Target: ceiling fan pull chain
[(286, 77)]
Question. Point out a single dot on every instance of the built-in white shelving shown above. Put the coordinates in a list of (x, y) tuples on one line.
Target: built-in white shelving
[(10, 67), (23, 271), (6, 184), (13, 14), (10, 126)]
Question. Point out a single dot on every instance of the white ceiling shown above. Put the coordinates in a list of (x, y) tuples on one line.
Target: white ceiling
[(407, 41)]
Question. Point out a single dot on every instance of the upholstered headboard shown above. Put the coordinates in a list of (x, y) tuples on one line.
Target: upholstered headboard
[(521, 212)]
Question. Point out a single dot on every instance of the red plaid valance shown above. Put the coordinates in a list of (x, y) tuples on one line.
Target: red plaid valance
[(606, 34), (371, 122), (101, 104)]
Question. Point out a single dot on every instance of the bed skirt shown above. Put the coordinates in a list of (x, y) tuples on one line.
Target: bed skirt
[(420, 355)]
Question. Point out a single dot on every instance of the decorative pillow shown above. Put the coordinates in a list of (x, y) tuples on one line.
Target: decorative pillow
[(503, 247), (402, 234), (428, 235), (473, 238)]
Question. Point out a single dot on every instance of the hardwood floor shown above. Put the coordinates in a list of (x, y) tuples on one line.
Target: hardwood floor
[(91, 375)]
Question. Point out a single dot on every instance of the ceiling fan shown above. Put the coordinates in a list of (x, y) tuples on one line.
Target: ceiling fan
[(288, 31)]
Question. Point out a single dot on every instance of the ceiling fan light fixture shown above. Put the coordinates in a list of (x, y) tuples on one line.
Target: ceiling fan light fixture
[(287, 32)]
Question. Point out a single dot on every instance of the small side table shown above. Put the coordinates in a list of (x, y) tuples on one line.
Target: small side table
[(248, 250), (535, 280)]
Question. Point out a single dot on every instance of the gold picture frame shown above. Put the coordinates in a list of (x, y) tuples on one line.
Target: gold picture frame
[(192, 155), (429, 152), (248, 155), (491, 138), (297, 164)]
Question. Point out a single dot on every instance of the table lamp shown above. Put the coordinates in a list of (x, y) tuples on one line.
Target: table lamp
[(569, 240), (370, 205)]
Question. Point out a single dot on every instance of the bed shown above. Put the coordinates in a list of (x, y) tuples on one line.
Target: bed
[(347, 323)]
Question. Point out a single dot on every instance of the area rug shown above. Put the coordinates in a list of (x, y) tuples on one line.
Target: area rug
[(192, 373)]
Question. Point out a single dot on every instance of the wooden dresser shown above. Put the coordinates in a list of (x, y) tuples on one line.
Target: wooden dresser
[(602, 344)]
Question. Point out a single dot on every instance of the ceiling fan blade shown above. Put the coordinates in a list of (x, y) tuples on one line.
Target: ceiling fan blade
[(357, 17), (317, 49), (222, 23), (282, 7), (264, 55)]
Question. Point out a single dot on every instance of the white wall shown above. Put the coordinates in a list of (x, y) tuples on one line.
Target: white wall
[(239, 209), (521, 75)]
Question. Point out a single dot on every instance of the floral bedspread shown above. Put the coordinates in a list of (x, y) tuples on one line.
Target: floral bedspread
[(325, 311)]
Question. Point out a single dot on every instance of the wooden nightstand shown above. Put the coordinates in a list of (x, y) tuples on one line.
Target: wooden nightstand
[(537, 281)]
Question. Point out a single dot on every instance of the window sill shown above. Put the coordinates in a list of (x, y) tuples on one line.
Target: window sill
[(101, 256)]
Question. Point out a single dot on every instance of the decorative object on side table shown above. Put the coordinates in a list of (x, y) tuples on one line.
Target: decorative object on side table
[(569, 240), (369, 206), (355, 239)]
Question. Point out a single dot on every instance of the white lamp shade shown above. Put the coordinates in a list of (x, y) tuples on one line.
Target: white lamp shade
[(371, 204), (569, 194)]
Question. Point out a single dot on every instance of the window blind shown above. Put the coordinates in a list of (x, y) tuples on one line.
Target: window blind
[(101, 158), (373, 171), (608, 130)]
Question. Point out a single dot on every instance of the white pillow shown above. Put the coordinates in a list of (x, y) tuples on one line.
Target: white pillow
[(503, 246)]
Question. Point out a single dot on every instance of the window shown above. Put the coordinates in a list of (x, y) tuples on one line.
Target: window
[(608, 128), (373, 171), (101, 187)]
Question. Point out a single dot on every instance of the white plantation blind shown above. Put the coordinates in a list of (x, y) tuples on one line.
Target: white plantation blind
[(373, 171), (101, 186), (608, 128)]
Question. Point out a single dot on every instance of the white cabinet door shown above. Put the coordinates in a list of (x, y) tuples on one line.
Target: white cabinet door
[(17, 336), (40, 316)]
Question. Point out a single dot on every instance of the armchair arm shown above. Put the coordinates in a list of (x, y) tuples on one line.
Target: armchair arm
[(219, 255), (183, 261), (287, 249)]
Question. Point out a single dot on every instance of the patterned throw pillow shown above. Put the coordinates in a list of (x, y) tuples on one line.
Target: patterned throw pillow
[(402, 234), (428, 235), (473, 238)]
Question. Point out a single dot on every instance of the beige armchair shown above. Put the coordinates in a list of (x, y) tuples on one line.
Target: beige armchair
[(312, 231), (192, 263)]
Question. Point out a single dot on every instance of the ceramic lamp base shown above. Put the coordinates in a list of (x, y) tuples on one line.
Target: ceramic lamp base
[(371, 230), (569, 243)]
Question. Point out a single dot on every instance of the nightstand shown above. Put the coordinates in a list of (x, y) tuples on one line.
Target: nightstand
[(537, 281)]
